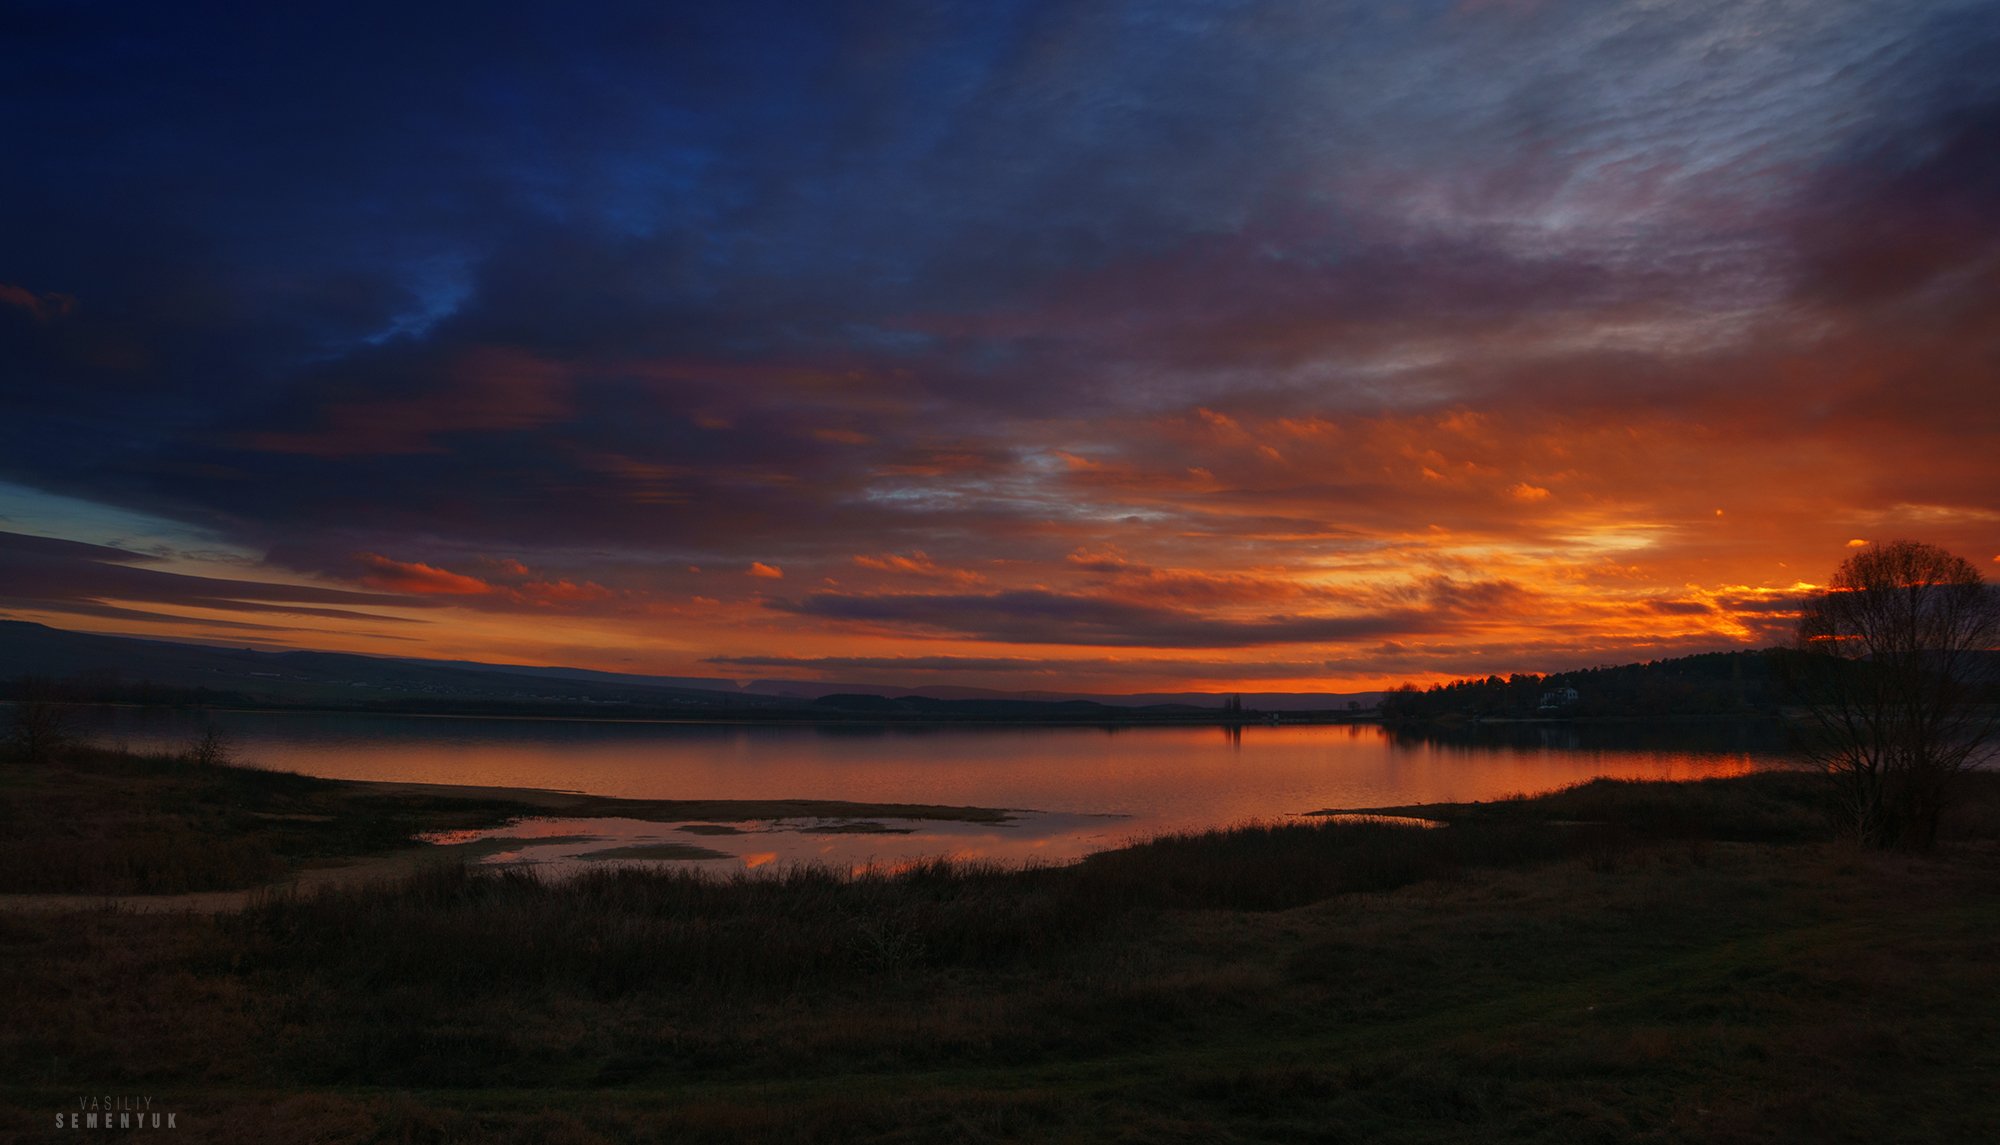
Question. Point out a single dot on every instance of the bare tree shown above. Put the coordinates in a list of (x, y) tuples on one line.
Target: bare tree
[(211, 749), (43, 726), (1897, 668)]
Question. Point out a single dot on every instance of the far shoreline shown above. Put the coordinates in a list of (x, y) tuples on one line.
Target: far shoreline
[(1310, 718), (1263, 719)]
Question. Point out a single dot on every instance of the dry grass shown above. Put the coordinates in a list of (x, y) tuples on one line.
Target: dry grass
[(106, 822), (1764, 993), (1646, 975)]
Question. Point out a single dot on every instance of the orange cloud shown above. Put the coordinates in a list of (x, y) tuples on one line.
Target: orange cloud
[(1221, 422), (919, 564), (1105, 561), (642, 482), (417, 578), (1132, 581), (563, 592), (767, 572)]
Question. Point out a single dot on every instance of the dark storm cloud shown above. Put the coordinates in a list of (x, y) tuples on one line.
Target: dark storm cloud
[(1909, 208), (1038, 617), (337, 204), (1918, 214)]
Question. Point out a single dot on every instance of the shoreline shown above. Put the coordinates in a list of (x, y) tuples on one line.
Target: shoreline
[(583, 805), (1304, 717), (154, 832)]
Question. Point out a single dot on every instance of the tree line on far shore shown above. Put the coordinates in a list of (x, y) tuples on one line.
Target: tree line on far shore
[(1708, 684), (1894, 675)]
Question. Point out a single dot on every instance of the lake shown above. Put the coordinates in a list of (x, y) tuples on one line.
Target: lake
[(1077, 789)]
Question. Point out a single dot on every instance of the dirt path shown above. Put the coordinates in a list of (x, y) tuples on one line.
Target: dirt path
[(365, 869)]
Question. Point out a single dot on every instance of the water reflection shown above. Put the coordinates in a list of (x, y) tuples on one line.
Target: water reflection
[(1154, 778), (559, 846), (1686, 736)]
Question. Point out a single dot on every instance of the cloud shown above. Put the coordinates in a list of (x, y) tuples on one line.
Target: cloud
[(1043, 617), (509, 586), (564, 592), (45, 573), (917, 564), (764, 571), (892, 663), (483, 389), (1058, 669), (1105, 561), (42, 307), (417, 578)]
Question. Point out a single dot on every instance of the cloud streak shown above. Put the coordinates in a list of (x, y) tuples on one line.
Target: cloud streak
[(70, 576)]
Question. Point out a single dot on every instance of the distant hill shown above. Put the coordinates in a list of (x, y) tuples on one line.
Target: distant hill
[(592, 675), (125, 667), (135, 669), (1252, 701), (1068, 710)]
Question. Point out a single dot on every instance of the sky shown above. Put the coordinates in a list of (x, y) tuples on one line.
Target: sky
[(1074, 346)]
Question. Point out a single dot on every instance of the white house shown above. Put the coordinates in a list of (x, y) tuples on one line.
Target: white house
[(1560, 698)]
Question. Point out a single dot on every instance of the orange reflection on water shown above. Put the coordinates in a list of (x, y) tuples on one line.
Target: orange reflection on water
[(1115, 783)]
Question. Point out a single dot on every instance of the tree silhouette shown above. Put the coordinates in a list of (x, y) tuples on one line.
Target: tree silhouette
[(1896, 666), (43, 726)]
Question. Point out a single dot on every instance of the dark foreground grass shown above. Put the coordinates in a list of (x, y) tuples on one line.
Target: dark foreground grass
[(610, 933), (1676, 964), (1766, 806), (108, 822)]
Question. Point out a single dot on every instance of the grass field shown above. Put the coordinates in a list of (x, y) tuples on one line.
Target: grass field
[(1619, 962)]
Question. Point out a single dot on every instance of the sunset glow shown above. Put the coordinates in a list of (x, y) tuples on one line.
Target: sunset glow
[(1045, 346)]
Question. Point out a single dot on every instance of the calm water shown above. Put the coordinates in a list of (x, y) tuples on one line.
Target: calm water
[(1087, 788)]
